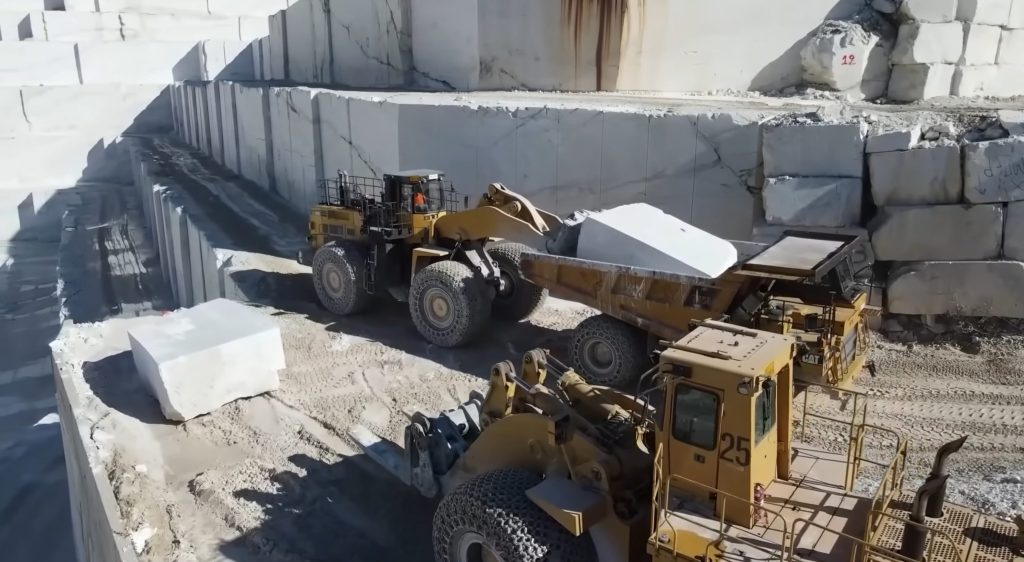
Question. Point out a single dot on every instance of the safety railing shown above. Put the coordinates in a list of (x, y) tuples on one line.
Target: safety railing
[(861, 549), (892, 480), (934, 538), (860, 409), (663, 518)]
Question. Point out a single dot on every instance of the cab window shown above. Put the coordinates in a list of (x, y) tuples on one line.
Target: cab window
[(696, 417), (764, 411)]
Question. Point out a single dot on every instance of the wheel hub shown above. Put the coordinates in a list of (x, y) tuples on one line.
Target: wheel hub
[(438, 308), (506, 285), (472, 547), (598, 356), (333, 281)]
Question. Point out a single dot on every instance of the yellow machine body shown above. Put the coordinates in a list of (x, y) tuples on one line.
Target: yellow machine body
[(706, 465)]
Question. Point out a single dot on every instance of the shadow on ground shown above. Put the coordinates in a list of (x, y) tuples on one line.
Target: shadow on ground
[(349, 510)]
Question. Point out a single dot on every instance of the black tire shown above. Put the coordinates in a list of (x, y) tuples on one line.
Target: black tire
[(520, 298), (338, 277), (448, 303), (492, 512), (609, 352)]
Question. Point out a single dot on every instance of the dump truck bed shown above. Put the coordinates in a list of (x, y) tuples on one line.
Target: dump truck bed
[(664, 303)]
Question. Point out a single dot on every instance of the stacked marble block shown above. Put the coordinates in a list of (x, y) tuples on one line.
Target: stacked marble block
[(951, 222), (958, 47), (287, 138)]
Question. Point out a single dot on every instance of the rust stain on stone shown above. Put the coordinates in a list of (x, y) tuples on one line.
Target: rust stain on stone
[(611, 16)]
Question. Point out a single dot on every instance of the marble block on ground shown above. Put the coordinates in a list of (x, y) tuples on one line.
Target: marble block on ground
[(198, 359)]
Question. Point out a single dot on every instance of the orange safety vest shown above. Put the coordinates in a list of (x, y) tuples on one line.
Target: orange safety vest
[(418, 200)]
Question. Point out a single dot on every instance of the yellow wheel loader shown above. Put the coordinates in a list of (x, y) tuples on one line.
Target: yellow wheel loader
[(705, 464), (412, 236)]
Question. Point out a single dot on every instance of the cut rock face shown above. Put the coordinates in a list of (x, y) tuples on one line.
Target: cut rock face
[(196, 360), (994, 171), (814, 150), (938, 232), (640, 235), (821, 201), (911, 82), (923, 176), (959, 288)]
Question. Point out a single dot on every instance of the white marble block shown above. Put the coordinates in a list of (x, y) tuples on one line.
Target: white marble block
[(640, 235), (199, 359)]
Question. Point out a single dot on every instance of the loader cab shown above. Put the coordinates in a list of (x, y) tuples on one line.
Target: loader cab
[(727, 417)]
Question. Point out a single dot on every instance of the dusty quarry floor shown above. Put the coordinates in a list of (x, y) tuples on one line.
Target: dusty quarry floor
[(276, 477)]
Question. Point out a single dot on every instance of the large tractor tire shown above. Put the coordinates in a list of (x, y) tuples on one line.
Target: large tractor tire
[(518, 298), (338, 277), (609, 352), (448, 303), (489, 518)]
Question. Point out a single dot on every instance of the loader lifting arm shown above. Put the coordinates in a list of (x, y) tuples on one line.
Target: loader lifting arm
[(501, 213)]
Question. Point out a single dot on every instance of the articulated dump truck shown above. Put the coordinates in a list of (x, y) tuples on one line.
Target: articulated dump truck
[(705, 463), (802, 285)]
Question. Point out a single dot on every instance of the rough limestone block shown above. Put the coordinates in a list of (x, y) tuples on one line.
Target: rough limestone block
[(255, 146), (836, 57), (153, 6), (724, 163), (79, 5), (976, 80), (199, 359), (937, 232), (1011, 47), (278, 46), (1013, 121), (178, 27), (246, 7), (229, 130), (912, 82), (959, 288), (934, 11), (251, 28), (371, 43), (986, 12), (295, 131), (445, 51), (225, 60), (74, 26), (1013, 236), (923, 43), (213, 106), (1016, 18), (814, 150), (308, 42), (893, 140), (813, 201), (640, 235), (151, 62), (981, 44), (202, 117), (994, 171), (31, 63), (923, 176)]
